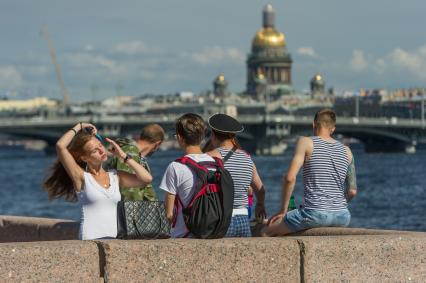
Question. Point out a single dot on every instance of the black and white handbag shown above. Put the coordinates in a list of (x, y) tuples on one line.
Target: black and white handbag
[(137, 219)]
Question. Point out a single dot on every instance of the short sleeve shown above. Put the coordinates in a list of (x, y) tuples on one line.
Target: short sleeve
[(169, 182)]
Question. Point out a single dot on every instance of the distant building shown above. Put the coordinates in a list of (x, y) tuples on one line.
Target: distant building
[(220, 85), (269, 58), (317, 86), (29, 104)]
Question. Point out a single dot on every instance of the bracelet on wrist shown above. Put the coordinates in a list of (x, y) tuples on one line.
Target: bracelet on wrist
[(128, 156), (72, 129)]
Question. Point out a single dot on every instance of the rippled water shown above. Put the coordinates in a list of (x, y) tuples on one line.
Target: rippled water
[(391, 187)]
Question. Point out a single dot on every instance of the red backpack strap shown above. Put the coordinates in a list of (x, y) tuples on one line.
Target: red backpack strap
[(200, 173), (199, 170), (191, 163), (178, 206), (218, 161)]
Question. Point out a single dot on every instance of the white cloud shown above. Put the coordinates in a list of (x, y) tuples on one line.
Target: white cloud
[(134, 47), (398, 61), (307, 51), (10, 77), (413, 62), (358, 62), (85, 60), (218, 54)]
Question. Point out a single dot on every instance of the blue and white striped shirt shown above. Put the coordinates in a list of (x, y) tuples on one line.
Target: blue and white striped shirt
[(324, 176), (240, 166)]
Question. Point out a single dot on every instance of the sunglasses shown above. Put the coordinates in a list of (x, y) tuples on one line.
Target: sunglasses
[(89, 130)]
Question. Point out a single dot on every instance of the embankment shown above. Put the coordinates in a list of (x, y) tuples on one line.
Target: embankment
[(36, 249)]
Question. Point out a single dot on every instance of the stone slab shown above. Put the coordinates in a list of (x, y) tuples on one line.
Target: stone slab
[(64, 261), (370, 258), (29, 229), (191, 260), (340, 231), (336, 231)]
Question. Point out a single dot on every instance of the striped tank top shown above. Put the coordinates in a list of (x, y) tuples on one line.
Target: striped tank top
[(240, 166), (324, 176)]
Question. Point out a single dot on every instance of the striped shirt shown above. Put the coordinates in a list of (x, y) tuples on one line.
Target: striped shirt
[(240, 166), (324, 176)]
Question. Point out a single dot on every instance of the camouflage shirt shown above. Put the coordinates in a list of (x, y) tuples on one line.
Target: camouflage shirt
[(129, 146)]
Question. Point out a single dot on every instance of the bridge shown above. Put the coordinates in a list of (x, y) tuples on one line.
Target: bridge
[(383, 134)]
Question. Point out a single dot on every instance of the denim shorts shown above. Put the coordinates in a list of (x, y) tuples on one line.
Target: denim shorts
[(302, 219)]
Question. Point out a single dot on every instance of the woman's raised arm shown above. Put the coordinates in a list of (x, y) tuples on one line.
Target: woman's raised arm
[(74, 171)]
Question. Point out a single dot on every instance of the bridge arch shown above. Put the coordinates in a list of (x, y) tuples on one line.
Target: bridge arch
[(374, 139)]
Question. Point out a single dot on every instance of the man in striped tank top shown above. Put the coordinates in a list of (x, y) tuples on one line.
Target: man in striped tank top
[(329, 181)]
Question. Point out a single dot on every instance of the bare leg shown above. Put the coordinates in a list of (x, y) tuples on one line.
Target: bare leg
[(278, 228)]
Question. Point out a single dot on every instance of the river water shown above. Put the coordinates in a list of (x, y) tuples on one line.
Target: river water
[(391, 186)]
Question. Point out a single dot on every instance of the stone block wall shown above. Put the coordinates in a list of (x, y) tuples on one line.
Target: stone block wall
[(316, 255)]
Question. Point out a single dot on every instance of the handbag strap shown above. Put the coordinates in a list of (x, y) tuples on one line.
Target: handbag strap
[(229, 154)]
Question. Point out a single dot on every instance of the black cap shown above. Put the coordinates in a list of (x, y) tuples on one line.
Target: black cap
[(225, 124)]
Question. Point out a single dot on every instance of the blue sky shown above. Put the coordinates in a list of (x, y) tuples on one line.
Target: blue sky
[(134, 47)]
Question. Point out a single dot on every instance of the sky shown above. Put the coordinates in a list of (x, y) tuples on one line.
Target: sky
[(132, 47)]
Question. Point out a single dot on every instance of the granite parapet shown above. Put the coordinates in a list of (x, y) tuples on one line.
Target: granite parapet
[(315, 255), (61, 261), (29, 229), (365, 258), (192, 260)]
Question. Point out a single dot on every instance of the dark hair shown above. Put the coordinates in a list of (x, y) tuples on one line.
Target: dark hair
[(58, 183), (152, 133), (191, 128), (325, 118), (221, 137)]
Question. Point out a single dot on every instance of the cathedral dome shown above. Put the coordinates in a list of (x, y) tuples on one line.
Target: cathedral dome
[(220, 79), (317, 79), (268, 37)]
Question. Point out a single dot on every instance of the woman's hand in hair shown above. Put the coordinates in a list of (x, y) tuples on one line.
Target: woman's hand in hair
[(116, 149), (89, 128)]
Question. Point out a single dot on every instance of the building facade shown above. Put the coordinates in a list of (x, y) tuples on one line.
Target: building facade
[(269, 62)]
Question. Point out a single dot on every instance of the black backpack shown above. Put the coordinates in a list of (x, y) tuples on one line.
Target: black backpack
[(209, 211)]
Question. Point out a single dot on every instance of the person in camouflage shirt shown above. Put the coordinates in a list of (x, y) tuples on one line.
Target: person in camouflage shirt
[(150, 140)]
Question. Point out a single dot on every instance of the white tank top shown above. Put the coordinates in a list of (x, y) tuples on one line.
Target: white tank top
[(98, 208)]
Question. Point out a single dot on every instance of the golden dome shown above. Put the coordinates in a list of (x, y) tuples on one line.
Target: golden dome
[(268, 37), (317, 79), (221, 78)]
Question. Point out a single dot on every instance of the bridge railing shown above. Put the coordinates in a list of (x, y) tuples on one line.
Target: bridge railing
[(171, 118)]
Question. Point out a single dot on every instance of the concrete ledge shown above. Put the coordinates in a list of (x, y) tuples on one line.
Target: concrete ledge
[(335, 231), (315, 255), (374, 258), (66, 261), (29, 229), (338, 231), (190, 260)]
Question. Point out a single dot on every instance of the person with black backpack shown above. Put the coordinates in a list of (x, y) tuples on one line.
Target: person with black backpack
[(199, 191)]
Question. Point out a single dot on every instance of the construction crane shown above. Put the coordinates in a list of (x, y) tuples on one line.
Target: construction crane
[(44, 32)]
